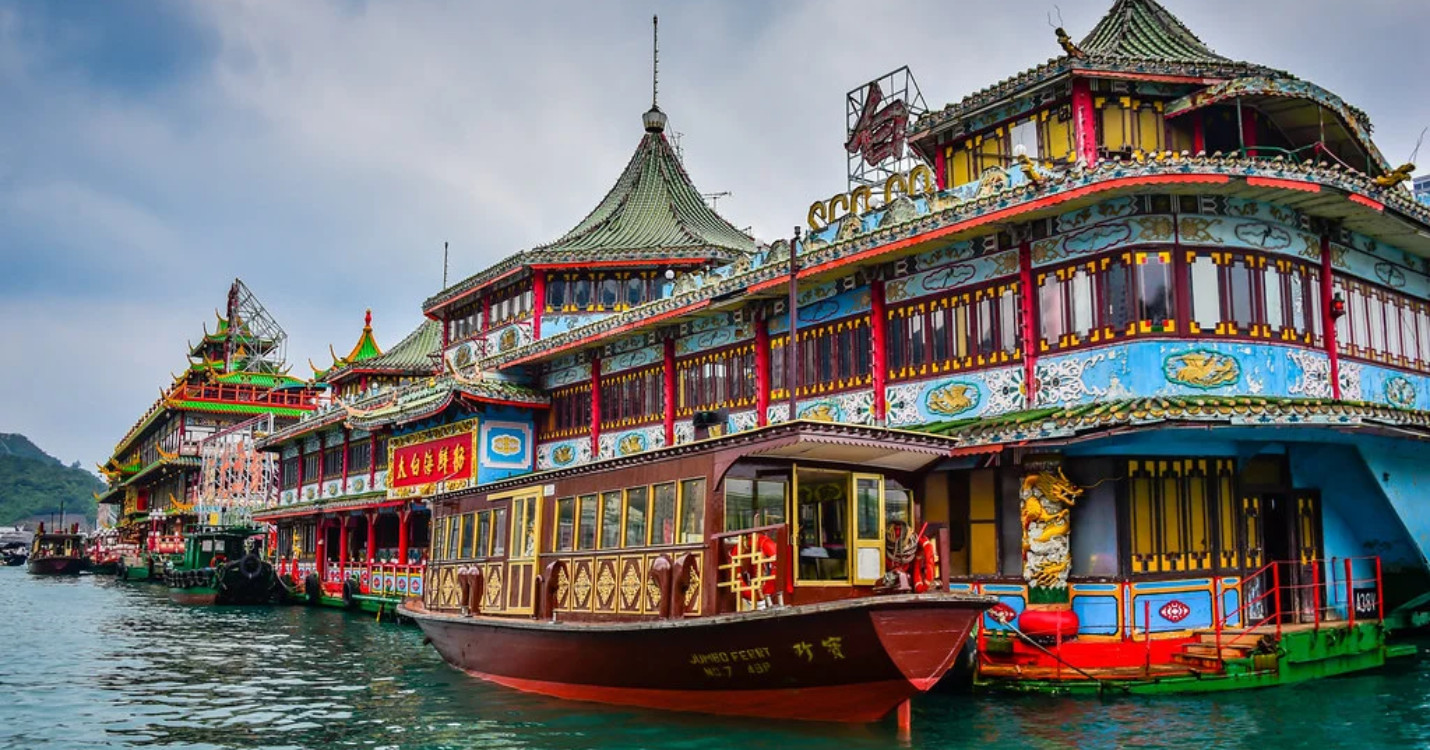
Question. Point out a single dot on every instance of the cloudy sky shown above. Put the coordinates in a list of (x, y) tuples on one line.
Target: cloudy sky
[(151, 151)]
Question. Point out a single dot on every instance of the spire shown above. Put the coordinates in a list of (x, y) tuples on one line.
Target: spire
[(654, 119)]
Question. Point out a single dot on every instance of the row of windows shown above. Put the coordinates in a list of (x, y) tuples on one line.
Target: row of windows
[(633, 397), (1045, 136), (594, 292), (832, 357), (658, 515), (716, 380), (1382, 325), (954, 332), (471, 535), (570, 411), (360, 461)]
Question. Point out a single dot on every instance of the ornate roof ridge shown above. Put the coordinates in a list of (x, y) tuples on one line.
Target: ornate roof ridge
[(408, 356), (1143, 29)]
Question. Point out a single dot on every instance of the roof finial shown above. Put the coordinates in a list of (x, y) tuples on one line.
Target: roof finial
[(654, 120), (367, 319)]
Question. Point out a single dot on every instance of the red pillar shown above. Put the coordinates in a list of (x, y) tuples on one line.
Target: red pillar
[(320, 551), (1248, 131), (940, 167), (343, 547), (762, 371), (1328, 321), (371, 536), (538, 300), (1084, 121), (669, 385), (1028, 316), (878, 338), (595, 407), (1199, 133), (402, 518), (372, 460)]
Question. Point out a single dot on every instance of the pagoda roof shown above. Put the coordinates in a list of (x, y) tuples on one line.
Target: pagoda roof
[(411, 356), (366, 348), (1144, 30), (653, 212), (1135, 39)]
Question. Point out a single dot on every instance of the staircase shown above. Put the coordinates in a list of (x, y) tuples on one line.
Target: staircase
[(1202, 655)]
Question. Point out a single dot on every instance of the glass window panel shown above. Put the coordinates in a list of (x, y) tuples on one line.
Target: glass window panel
[(1272, 294), (938, 333), (770, 501), (692, 510), (484, 534), (556, 293), (1025, 134), (610, 293), (637, 502), (987, 343), (1009, 333), (635, 291), (1239, 290), (1050, 310), (1095, 553), (469, 535), (1400, 338), (1375, 312), (918, 353), (822, 508), (1154, 285), (960, 331), (581, 293), (565, 524), (866, 510), (1296, 308), (1360, 335), (898, 504), (1206, 295), (1117, 303), (739, 504), (1082, 303), (499, 532), (662, 516), (1423, 316), (610, 520)]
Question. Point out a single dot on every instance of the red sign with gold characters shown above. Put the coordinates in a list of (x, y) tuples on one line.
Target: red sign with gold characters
[(441, 459)]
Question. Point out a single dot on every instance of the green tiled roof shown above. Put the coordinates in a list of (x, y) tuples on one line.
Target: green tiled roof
[(411, 355), (261, 379), (652, 205), (231, 407), (1144, 30)]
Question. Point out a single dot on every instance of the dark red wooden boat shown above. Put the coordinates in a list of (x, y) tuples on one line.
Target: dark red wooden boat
[(54, 554), (852, 660)]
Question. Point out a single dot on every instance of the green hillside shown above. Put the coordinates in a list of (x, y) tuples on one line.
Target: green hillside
[(34, 483)]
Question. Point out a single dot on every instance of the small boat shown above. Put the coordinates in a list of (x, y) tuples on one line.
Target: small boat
[(223, 566), (105, 554), (15, 545), (57, 553), (14, 555)]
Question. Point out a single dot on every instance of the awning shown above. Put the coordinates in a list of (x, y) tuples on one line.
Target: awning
[(833, 447), (1304, 113)]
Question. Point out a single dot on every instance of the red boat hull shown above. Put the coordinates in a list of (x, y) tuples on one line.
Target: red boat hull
[(848, 661), (56, 566)]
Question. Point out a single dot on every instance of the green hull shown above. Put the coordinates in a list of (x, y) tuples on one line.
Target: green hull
[(1302, 656), (134, 573), (363, 603)]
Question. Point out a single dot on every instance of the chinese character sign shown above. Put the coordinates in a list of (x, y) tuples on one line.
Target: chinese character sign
[(422, 460), (880, 132)]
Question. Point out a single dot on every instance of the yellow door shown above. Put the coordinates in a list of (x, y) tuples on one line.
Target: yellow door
[(523, 552), (868, 565)]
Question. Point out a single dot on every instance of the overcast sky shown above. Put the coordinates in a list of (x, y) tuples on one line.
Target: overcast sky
[(151, 151)]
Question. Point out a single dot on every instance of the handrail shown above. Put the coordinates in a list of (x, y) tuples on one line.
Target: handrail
[(740, 555), (1320, 610)]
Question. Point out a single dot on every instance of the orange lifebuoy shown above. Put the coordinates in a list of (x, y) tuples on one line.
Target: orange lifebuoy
[(925, 565), (770, 550)]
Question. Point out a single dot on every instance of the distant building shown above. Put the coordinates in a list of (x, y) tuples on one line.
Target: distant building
[(1422, 189)]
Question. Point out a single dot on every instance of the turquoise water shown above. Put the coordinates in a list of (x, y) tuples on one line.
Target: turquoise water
[(91, 663)]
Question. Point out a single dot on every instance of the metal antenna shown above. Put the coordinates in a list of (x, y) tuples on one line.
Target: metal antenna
[(655, 60), (444, 265), (1418, 143)]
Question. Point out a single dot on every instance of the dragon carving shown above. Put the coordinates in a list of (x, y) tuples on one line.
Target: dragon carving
[(1047, 502)]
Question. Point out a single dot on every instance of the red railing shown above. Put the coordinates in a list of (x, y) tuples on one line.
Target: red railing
[(1269, 602), (298, 398)]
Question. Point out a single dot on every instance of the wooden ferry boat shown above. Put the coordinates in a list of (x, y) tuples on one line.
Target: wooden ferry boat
[(57, 553), (223, 566)]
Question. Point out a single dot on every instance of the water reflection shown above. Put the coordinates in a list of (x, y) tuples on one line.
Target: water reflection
[(92, 663)]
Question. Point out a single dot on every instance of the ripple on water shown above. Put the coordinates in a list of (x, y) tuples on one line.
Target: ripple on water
[(97, 664)]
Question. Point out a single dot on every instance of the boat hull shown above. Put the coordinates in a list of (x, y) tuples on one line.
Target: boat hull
[(197, 596), (56, 566), (848, 661)]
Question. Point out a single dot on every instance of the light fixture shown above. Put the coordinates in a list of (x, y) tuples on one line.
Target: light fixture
[(670, 274), (1338, 306)]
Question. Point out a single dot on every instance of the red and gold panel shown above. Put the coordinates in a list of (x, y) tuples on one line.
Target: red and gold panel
[(442, 459), (607, 581), (630, 591)]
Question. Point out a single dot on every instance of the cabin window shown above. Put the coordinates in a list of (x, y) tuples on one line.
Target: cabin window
[(662, 515), (290, 473), (570, 411), (380, 454), (822, 515), (469, 535), (692, 511), (454, 537), (586, 512), (565, 524), (633, 397), (637, 504), (499, 532), (311, 466), (716, 380), (1025, 134), (635, 291), (483, 546), (751, 503), (964, 330), (611, 519)]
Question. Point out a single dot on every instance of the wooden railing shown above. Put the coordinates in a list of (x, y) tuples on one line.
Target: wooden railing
[(753, 566), (298, 398)]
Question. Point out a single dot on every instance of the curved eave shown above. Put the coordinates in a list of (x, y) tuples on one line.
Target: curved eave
[(1350, 198), (318, 508)]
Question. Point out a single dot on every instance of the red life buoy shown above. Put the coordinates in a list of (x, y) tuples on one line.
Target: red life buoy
[(925, 565)]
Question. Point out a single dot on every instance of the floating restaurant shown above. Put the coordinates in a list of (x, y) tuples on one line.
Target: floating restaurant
[(1129, 353)]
